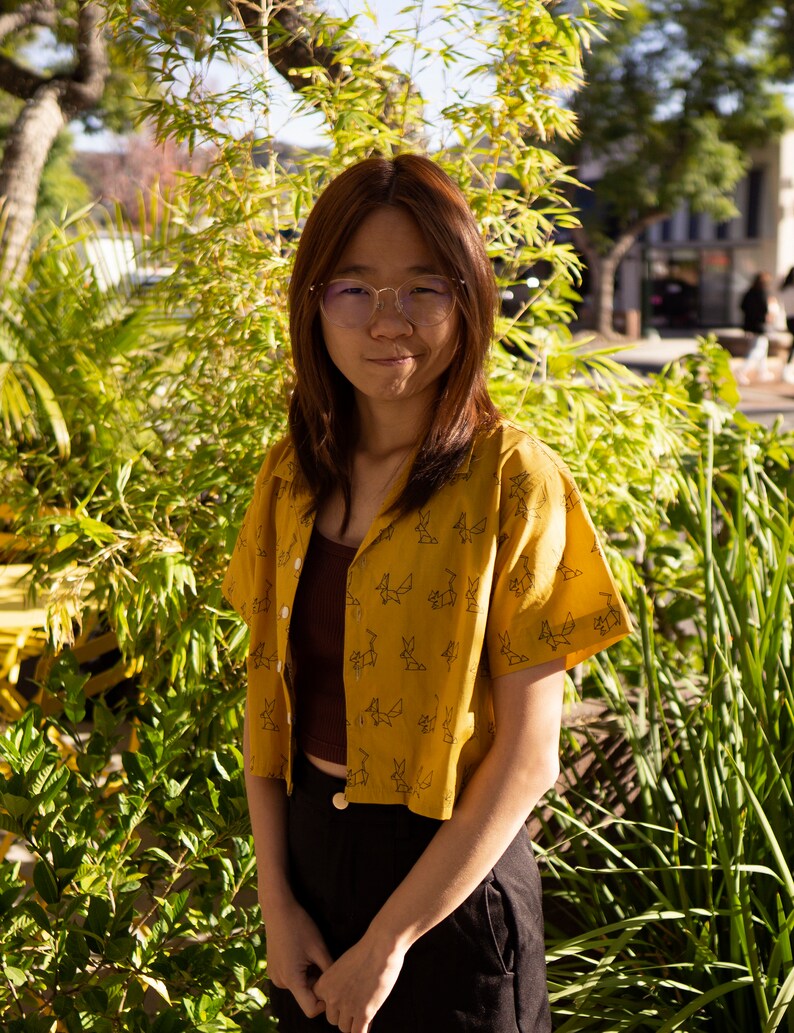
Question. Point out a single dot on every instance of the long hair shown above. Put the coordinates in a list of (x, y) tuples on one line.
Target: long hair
[(322, 413)]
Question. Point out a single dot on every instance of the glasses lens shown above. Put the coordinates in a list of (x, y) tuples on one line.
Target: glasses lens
[(427, 300), (348, 303), (424, 301)]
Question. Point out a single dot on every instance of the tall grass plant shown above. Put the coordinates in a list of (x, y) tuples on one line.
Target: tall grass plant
[(126, 898)]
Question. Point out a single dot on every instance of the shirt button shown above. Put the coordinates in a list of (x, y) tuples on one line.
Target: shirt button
[(284, 612), (339, 801), (297, 563), (361, 720), (279, 665)]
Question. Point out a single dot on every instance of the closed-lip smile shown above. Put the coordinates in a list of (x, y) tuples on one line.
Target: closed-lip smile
[(391, 360)]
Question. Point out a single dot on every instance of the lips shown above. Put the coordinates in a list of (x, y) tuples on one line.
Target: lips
[(393, 360)]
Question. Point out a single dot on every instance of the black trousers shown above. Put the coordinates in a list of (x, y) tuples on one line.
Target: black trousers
[(481, 970)]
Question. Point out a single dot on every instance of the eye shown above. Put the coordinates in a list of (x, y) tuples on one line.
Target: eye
[(432, 285)]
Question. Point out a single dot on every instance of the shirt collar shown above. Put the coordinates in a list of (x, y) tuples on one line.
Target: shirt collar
[(287, 466)]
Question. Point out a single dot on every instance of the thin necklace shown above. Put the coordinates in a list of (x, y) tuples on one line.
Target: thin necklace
[(393, 472)]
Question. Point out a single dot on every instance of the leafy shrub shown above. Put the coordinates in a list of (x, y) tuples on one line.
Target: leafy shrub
[(131, 906)]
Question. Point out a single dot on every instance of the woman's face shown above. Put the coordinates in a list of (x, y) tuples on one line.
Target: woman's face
[(390, 360)]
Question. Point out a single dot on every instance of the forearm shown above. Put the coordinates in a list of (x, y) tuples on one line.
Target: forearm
[(466, 847), (520, 767), (295, 948), (267, 807)]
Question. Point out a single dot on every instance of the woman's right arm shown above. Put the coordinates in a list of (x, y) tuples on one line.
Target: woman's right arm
[(296, 952)]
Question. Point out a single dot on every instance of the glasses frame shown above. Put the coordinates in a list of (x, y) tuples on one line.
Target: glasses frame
[(320, 288)]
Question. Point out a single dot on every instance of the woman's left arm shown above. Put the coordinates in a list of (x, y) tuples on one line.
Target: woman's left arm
[(522, 764)]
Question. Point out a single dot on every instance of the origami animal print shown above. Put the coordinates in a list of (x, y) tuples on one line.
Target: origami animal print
[(561, 638), (465, 531), (367, 658), (610, 620), (450, 654), (360, 776), (523, 582), (384, 717), (411, 663), (508, 652), (440, 598), (392, 595), (425, 537), (268, 724)]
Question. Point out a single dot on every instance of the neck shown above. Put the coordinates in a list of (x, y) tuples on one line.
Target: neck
[(385, 430)]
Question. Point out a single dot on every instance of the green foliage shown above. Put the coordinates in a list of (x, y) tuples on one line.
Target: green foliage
[(135, 890), (136, 886), (676, 97), (669, 887)]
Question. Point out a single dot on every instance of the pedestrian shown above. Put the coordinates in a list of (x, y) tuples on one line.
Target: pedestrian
[(786, 299), (417, 573), (758, 308)]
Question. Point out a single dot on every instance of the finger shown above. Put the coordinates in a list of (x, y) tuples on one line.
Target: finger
[(321, 956), (318, 985), (308, 1002)]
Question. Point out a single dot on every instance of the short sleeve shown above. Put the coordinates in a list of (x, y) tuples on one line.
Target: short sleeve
[(553, 594), (239, 583)]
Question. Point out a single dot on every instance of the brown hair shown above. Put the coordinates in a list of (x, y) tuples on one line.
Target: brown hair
[(322, 410)]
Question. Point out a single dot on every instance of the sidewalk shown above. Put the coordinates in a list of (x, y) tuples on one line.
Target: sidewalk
[(762, 402)]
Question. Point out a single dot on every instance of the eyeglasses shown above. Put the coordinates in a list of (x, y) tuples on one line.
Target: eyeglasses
[(423, 301)]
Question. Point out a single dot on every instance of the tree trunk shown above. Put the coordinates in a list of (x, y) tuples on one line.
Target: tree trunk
[(27, 147), (603, 268), (604, 298), (50, 103)]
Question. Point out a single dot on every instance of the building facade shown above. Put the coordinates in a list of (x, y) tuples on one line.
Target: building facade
[(691, 272)]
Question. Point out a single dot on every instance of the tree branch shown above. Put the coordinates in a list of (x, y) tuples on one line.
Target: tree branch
[(85, 86), (38, 12), (292, 39), (18, 81), (294, 42), (81, 88)]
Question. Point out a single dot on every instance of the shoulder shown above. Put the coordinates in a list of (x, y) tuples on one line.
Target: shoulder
[(279, 463), (509, 449)]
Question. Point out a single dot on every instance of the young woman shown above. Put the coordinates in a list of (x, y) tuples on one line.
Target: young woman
[(786, 299), (758, 313), (417, 574)]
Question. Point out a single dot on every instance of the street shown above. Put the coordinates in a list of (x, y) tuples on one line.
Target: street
[(764, 402)]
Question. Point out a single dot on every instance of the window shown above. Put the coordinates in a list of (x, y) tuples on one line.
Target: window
[(693, 227), (755, 183)]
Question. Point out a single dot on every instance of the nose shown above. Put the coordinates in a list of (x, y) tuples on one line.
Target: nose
[(388, 320)]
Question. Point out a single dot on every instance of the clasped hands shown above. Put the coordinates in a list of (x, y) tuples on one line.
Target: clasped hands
[(349, 990)]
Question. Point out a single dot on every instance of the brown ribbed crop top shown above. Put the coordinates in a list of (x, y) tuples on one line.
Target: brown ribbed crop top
[(317, 641)]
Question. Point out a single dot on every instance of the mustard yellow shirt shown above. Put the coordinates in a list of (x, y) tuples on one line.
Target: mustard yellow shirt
[(501, 570)]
